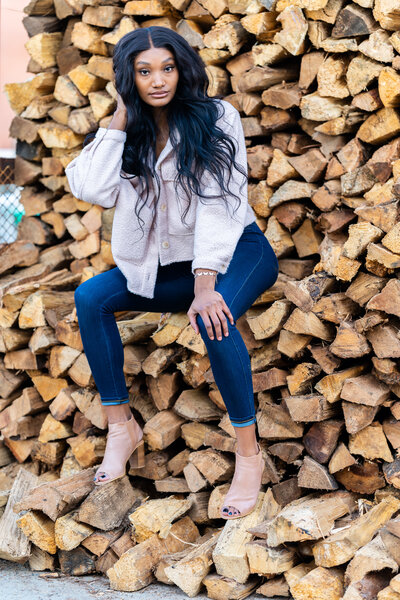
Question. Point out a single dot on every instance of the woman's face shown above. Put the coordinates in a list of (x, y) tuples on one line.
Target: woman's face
[(156, 76)]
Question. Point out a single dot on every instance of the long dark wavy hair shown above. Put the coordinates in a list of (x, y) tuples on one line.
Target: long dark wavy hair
[(203, 146)]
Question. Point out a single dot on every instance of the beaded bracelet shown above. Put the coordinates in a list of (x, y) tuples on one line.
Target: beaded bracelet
[(204, 273)]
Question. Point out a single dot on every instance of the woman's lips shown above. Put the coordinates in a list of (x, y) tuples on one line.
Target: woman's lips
[(159, 94)]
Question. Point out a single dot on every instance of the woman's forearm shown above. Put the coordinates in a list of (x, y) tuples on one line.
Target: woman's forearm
[(94, 175)]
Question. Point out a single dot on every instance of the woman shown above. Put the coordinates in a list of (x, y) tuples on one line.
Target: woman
[(171, 162)]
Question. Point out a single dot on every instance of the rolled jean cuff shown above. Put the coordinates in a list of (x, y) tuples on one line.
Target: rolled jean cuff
[(112, 402), (244, 423)]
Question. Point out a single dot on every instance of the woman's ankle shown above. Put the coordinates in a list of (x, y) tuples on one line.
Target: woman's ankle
[(247, 450), (246, 440), (117, 413)]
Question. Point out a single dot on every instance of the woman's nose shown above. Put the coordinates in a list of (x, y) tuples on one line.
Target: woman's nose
[(158, 80)]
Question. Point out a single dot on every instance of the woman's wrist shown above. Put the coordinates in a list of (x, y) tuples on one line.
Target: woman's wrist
[(204, 282), (118, 120)]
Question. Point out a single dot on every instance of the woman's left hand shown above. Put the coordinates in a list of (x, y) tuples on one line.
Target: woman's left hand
[(211, 306)]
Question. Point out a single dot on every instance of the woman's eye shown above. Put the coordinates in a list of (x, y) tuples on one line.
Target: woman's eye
[(145, 71)]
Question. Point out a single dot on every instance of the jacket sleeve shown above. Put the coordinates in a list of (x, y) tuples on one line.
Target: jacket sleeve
[(217, 232), (94, 175)]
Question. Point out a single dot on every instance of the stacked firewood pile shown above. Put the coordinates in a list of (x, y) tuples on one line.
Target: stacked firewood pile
[(317, 83)]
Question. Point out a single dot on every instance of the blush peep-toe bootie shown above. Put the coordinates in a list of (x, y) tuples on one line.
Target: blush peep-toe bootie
[(124, 442), (245, 486)]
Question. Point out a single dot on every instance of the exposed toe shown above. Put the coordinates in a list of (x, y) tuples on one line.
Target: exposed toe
[(103, 477), (231, 510)]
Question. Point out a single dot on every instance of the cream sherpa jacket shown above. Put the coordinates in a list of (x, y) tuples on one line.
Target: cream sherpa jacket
[(210, 235)]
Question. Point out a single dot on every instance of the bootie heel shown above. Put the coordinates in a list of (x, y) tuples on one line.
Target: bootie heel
[(136, 459), (124, 442), (245, 486)]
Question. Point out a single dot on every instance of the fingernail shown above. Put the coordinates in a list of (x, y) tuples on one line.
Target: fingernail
[(220, 338), (226, 335), (212, 337)]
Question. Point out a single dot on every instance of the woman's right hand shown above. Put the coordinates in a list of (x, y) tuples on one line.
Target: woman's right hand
[(120, 115), (120, 105)]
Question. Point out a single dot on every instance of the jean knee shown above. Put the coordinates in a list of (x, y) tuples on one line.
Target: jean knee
[(82, 295)]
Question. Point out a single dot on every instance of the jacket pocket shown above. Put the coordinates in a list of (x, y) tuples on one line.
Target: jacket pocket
[(178, 201), (133, 247), (130, 239)]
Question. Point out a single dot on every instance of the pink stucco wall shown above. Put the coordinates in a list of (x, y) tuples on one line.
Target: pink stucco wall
[(13, 62)]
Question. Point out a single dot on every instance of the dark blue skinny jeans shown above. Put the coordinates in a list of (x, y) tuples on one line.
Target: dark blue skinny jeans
[(252, 270)]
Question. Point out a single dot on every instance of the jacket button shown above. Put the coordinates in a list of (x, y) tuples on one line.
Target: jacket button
[(163, 206), (165, 245)]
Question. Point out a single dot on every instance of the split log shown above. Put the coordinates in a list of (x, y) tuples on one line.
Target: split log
[(342, 546)]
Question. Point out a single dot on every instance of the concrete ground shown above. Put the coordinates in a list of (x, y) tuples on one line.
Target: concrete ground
[(18, 582)]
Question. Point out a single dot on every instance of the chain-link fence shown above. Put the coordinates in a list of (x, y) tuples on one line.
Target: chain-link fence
[(11, 209)]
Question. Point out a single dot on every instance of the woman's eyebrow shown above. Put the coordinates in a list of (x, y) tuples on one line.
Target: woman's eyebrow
[(142, 62)]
